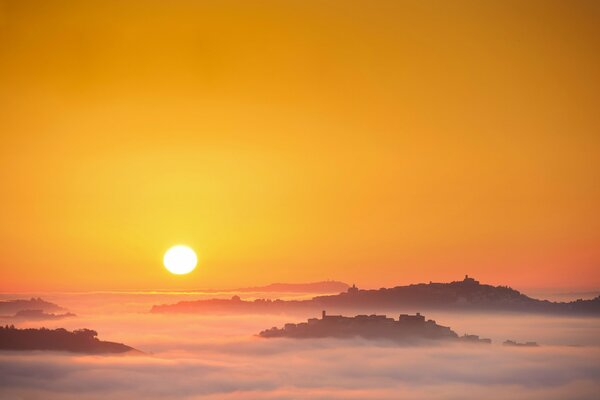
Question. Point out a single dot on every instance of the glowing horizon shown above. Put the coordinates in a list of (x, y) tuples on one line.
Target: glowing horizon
[(299, 142)]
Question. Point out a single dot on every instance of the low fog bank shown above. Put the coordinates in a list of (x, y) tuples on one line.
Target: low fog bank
[(219, 357), (287, 369), (140, 329), (157, 332), (561, 295)]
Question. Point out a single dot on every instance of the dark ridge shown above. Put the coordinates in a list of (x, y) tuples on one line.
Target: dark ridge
[(79, 341), (34, 315), (407, 328), (11, 307), (465, 295)]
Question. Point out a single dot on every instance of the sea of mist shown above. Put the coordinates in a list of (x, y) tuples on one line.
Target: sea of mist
[(220, 357)]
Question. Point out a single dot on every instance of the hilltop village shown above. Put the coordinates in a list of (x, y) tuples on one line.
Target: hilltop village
[(467, 294), (406, 327)]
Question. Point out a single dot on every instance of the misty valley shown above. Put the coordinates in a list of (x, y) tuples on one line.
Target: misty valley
[(291, 348)]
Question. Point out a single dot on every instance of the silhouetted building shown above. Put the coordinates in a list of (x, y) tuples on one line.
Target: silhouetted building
[(417, 318), (469, 280), (353, 289), (475, 339)]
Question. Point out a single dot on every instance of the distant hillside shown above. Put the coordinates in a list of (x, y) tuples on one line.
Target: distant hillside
[(80, 341), (36, 315), (312, 287), (464, 295), (467, 294), (14, 306), (406, 329)]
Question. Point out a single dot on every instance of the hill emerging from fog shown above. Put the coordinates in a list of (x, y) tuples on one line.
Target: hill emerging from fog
[(465, 295), (36, 315), (15, 306), (407, 328), (79, 341)]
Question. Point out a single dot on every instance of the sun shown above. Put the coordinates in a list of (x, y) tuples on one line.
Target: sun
[(180, 260)]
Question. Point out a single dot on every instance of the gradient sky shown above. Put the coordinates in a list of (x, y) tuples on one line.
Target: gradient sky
[(376, 142)]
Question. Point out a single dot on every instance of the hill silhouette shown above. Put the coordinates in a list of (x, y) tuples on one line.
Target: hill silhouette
[(465, 295), (14, 306), (79, 341), (34, 315), (406, 329)]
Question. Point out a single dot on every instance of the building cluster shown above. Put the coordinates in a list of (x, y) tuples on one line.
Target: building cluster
[(475, 339), (369, 326), (470, 281)]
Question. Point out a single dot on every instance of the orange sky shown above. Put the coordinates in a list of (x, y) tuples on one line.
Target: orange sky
[(377, 142)]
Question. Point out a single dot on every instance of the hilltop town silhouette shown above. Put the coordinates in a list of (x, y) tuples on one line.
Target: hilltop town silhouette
[(406, 327), (464, 295)]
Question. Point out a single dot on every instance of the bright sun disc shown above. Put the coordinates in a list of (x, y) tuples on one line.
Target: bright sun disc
[(180, 260)]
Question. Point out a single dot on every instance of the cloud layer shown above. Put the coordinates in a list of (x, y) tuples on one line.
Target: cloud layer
[(285, 369), (218, 357)]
